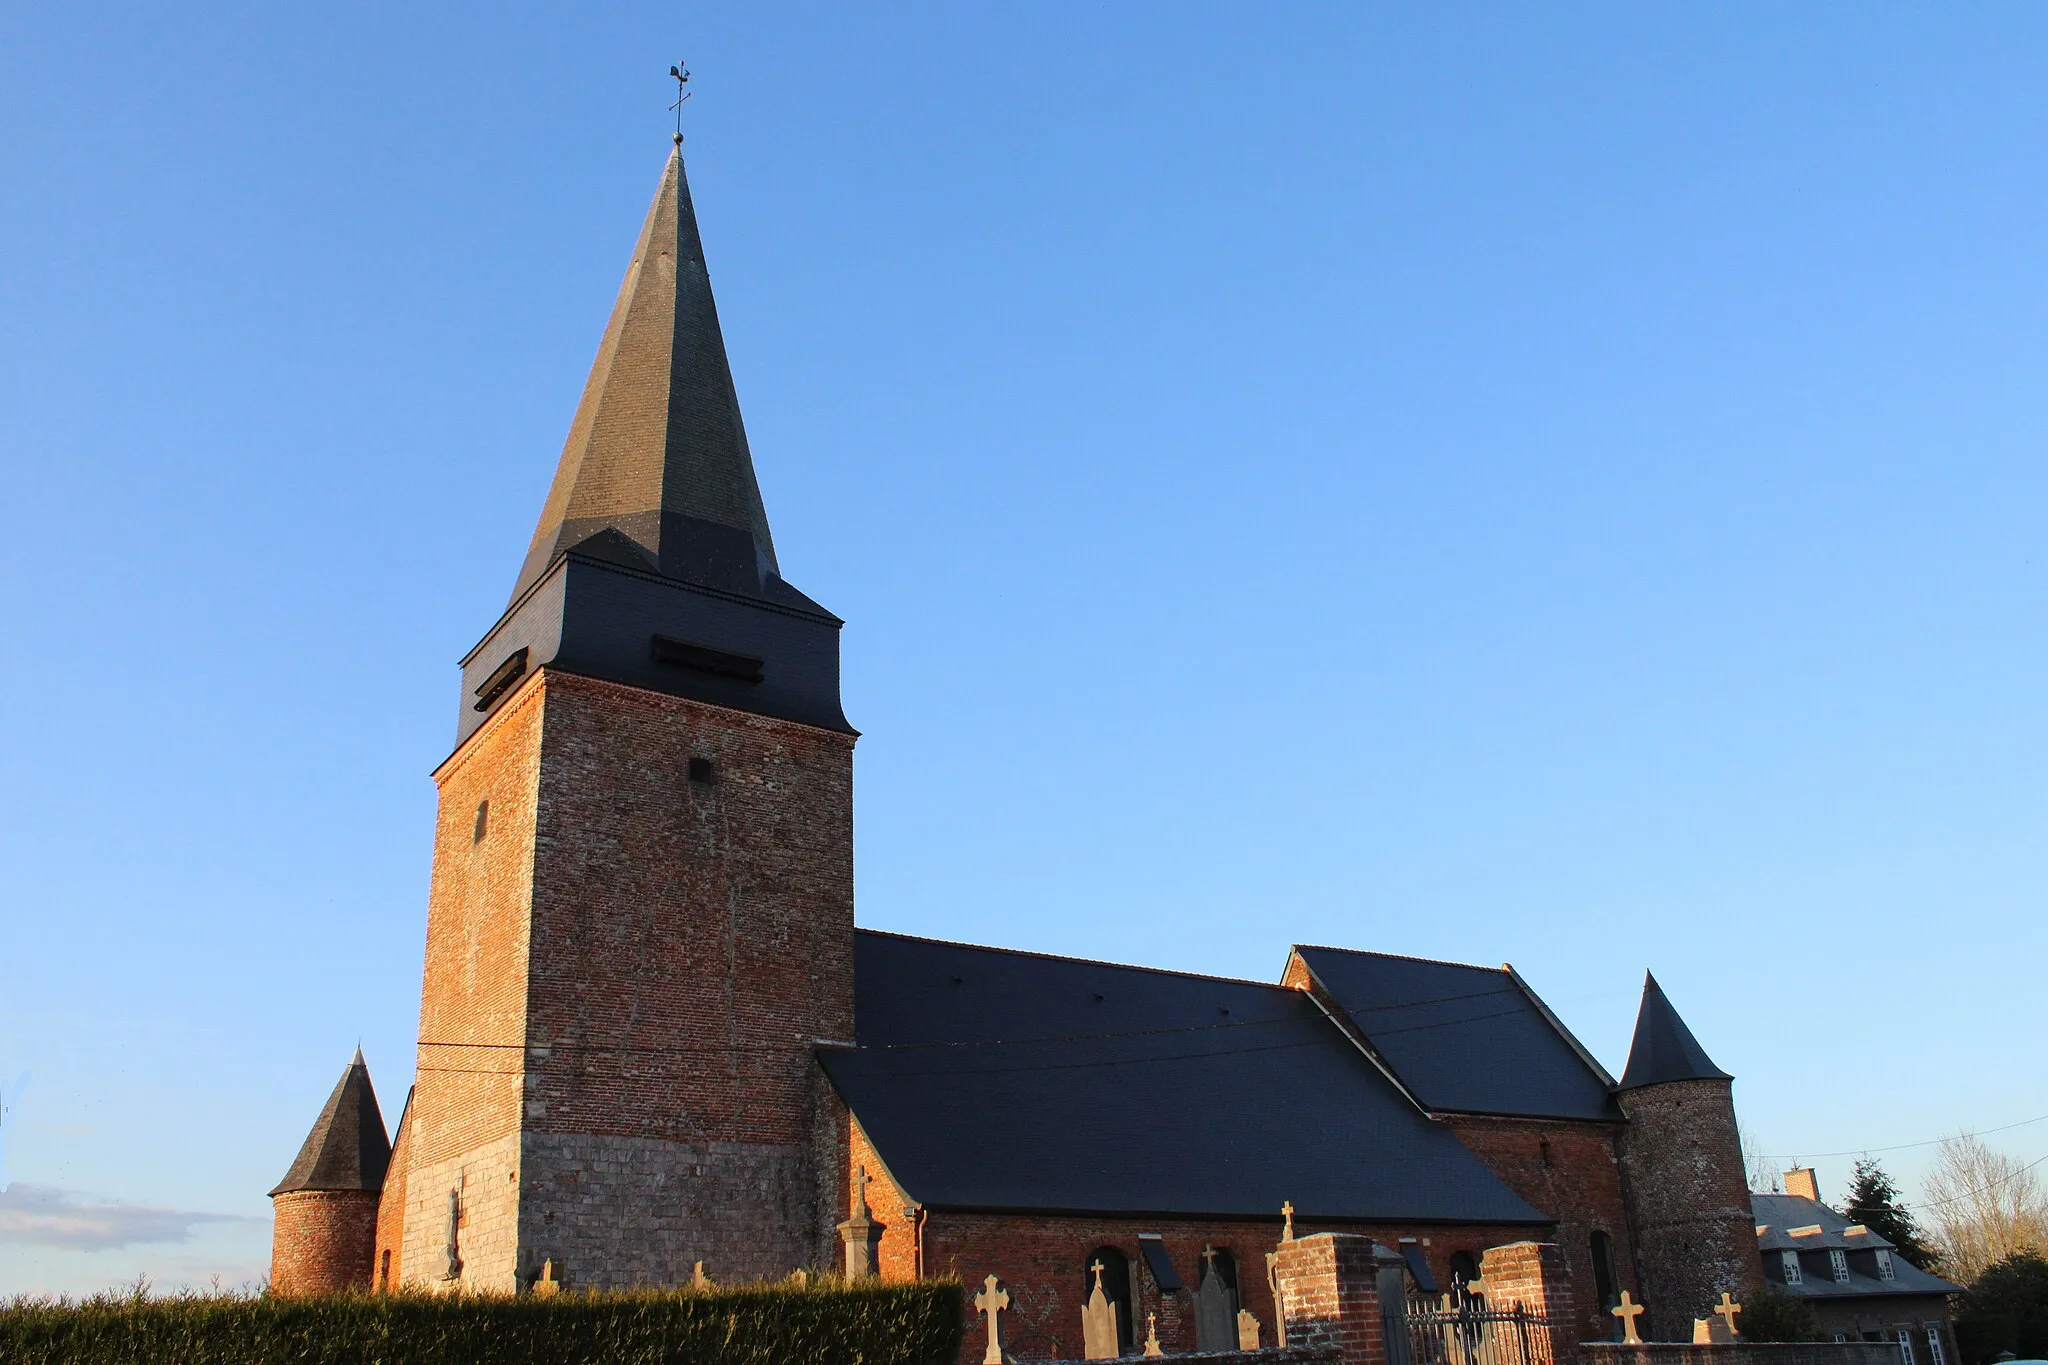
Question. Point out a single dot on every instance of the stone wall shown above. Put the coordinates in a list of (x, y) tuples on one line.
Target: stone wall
[(1695, 1231), (1742, 1353), (322, 1241)]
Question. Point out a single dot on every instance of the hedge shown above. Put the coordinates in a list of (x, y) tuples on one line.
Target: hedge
[(824, 1323)]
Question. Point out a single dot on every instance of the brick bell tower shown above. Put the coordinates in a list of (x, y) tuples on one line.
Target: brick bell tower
[(641, 913)]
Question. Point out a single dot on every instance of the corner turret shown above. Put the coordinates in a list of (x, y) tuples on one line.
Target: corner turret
[(326, 1205), (1681, 1156)]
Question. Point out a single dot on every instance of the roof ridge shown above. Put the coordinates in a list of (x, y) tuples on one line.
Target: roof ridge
[(1068, 957), (1399, 957)]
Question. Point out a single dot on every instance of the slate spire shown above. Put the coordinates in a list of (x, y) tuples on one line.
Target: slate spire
[(347, 1149), (657, 452), (1664, 1048)]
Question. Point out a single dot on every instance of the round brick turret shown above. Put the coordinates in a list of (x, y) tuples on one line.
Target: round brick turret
[(325, 1233), (323, 1241), (1681, 1156)]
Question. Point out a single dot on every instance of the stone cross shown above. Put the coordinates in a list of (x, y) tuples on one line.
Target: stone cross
[(860, 1191), (990, 1303), (1727, 1309), (546, 1285), (1287, 1212), (1152, 1347), (1628, 1312)]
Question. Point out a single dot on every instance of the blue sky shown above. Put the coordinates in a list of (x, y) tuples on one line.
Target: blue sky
[(1557, 487)]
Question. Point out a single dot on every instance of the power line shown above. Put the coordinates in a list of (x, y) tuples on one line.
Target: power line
[(1026, 1041), (1896, 1147)]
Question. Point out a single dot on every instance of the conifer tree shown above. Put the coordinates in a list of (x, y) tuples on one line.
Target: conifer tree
[(1874, 1202)]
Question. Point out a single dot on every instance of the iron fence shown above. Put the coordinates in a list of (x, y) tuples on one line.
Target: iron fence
[(1462, 1329)]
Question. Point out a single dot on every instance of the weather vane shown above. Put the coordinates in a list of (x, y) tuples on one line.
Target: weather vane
[(682, 74)]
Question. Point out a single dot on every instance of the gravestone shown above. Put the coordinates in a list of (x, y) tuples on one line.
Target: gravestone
[(1247, 1330), (1098, 1323), (990, 1303), (1215, 1313)]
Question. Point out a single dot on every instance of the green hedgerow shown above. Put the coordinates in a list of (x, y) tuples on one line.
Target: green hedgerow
[(827, 1322)]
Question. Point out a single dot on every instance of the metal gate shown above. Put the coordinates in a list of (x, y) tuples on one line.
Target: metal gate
[(1460, 1329)]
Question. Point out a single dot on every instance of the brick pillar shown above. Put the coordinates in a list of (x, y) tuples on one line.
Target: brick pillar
[(1531, 1275), (1329, 1295)]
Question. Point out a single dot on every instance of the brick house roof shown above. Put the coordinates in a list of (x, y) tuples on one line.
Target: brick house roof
[(994, 1079)]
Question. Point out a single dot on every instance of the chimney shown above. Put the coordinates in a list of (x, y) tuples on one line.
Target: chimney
[(1799, 1180)]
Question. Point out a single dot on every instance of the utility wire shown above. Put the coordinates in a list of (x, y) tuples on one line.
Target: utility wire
[(1896, 1147)]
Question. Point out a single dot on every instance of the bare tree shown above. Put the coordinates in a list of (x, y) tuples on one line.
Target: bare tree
[(1762, 1167), (1984, 1206)]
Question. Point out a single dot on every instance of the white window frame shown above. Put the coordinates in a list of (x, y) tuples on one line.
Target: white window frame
[(1904, 1336), (1838, 1261), (1789, 1259), (1936, 1355), (1884, 1265)]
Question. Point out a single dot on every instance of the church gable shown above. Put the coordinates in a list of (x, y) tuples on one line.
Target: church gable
[(998, 1080), (1460, 1039)]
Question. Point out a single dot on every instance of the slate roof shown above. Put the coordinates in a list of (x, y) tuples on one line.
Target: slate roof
[(657, 450), (1778, 1214), (1463, 1039), (1664, 1048), (347, 1149), (1000, 1080)]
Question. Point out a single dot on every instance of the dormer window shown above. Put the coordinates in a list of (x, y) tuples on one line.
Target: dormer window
[(1884, 1265), (1790, 1259), (1838, 1261)]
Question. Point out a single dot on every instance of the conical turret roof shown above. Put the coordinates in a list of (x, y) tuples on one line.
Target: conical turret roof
[(347, 1149), (1664, 1048), (657, 453)]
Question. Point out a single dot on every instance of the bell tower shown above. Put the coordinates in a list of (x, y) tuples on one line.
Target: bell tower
[(640, 921)]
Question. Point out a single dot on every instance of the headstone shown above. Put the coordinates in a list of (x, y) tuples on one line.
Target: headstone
[(1628, 1312), (860, 1234), (1726, 1310), (546, 1286), (990, 1303), (1215, 1325), (1711, 1331), (1247, 1330), (698, 1279), (799, 1277), (1098, 1323), (1152, 1347)]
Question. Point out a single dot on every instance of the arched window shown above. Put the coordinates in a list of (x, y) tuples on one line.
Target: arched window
[(1464, 1268), (1226, 1270), (1116, 1287), (1604, 1287)]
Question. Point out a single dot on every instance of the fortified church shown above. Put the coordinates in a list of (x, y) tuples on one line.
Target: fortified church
[(653, 1046)]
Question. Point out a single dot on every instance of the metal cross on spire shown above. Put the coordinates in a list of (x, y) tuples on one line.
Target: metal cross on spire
[(681, 71)]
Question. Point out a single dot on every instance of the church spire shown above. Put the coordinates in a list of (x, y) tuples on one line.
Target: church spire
[(1664, 1048), (347, 1149), (657, 453)]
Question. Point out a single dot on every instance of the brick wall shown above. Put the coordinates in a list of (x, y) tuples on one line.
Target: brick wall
[(1695, 1233), (1329, 1293), (1531, 1275), (322, 1241), (626, 974), (388, 1265), (1042, 1261), (1573, 1172)]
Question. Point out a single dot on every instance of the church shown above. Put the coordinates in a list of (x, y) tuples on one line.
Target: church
[(654, 1046)]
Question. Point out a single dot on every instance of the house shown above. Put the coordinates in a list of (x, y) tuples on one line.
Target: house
[(1860, 1288)]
